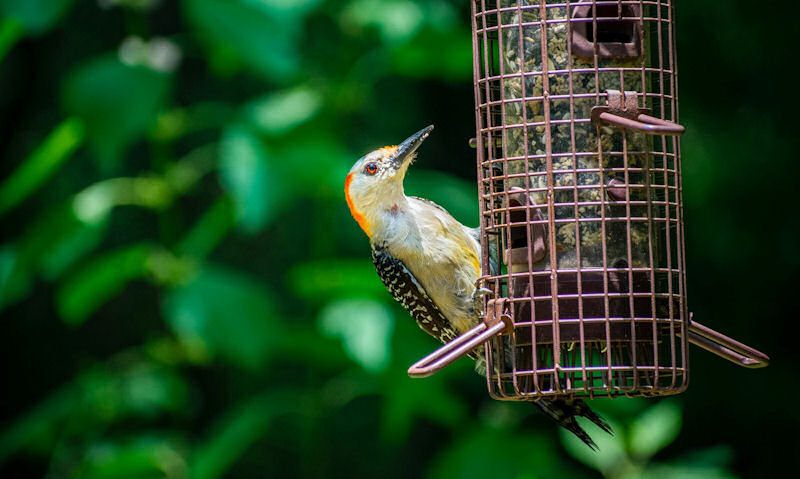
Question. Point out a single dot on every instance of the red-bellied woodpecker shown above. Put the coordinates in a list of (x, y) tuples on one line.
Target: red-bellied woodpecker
[(429, 262)]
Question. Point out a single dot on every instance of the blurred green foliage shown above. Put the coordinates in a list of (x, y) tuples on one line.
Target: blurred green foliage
[(184, 293)]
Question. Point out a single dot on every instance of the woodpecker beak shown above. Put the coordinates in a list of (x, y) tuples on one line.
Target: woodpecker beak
[(406, 149)]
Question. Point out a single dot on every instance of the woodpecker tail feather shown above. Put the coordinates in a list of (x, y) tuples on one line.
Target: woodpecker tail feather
[(582, 409), (564, 412)]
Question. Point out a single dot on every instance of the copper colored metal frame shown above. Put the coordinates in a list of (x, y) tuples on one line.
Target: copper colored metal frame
[(580, 199)]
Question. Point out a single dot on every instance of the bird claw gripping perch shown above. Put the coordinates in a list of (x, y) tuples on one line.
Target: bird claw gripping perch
[(477, 296)]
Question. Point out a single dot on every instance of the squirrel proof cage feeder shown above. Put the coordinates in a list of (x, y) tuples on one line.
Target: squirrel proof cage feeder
[(580, 200)]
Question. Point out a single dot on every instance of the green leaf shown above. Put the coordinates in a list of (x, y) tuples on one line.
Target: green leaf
[(284, 8), (249, 176), (226, 313), (235, 432), (365, 328), (37, 426), (621, 407), (116, 102), (146, 390), (396, 20), (326, 163), (56, 240), (41, 164), (407, 399), (209, 230), (49, 246), (486, 453), (250, 31), (7, 260), (15, 276), (655, 428), (93, 204), (458, 196), (721, 455), (35, 16), (98, 397), (611, 455), (143, 456), (196, 117), (682, 471), (329, 279), (100, 280), (128, 386), (451, 61), (69, 245), (11, 30), (277, 113)]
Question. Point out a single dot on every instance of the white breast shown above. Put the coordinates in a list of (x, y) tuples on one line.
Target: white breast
[(442, 254)]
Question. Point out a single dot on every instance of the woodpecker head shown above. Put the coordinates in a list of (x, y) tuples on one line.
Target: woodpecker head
[(375, 183)]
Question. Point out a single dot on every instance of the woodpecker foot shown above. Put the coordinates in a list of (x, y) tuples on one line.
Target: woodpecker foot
[(479, 282), (477, 298)]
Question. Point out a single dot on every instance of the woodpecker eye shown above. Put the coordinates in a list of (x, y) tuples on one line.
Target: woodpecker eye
[(371, 168)]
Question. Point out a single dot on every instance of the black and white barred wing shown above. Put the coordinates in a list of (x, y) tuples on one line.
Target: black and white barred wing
[(407, 291)]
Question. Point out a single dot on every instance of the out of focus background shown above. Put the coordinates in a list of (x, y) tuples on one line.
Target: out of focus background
[(184, 293)]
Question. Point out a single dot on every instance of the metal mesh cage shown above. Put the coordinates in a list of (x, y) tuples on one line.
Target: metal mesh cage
[(580, 200), (578, 207)]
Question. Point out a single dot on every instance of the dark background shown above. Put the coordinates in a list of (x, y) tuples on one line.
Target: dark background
[(184, 293)]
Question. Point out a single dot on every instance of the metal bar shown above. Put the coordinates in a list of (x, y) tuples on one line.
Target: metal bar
[(644, 123), (726, 347), (576, 198), (455, 349), (548, 151)]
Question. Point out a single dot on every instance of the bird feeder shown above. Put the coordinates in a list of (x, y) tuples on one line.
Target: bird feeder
[(580, 199)]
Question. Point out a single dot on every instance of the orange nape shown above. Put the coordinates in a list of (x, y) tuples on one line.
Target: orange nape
[(360, 219), (388, 150)]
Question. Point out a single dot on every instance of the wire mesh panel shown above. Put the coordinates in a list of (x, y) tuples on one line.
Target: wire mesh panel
[(581, 209)]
